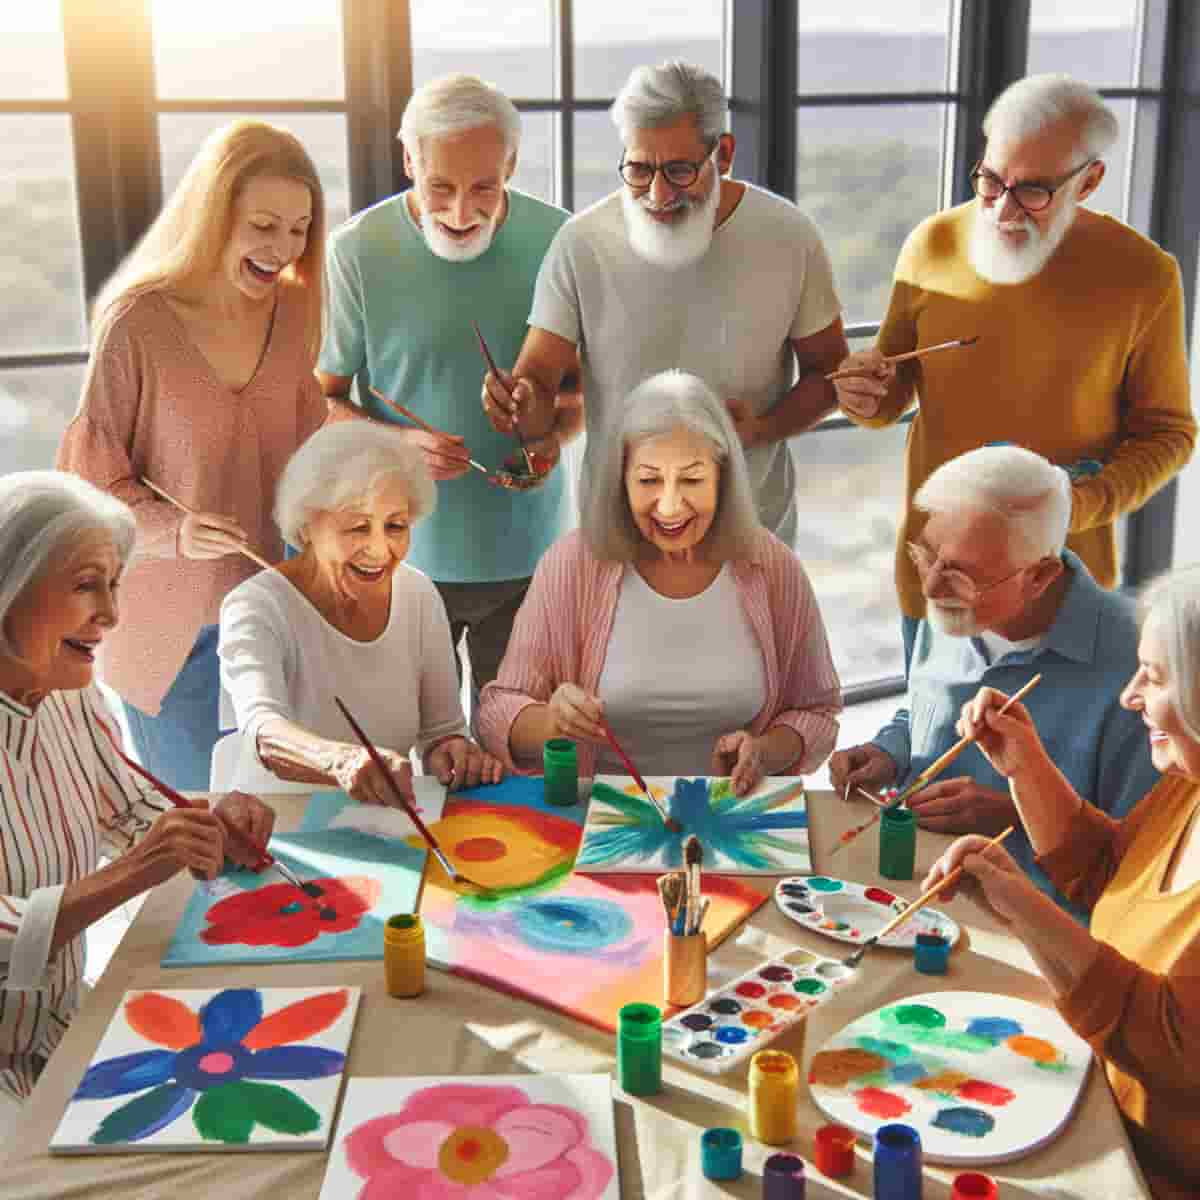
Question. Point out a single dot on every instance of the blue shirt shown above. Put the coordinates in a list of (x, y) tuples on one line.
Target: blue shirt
[(400, 321), (1086, 658)]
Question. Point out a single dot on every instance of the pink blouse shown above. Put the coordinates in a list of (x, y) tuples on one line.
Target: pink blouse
[(152, 406), (561, 635)]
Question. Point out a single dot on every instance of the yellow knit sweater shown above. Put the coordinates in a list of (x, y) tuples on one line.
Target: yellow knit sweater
[(1085, 360)]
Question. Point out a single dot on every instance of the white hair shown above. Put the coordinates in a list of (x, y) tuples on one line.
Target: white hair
[(662, 95), (44, 515), (1170, 606), (344, 463), (1027, 107), (454, 104), (1027, 490), (664, 403)]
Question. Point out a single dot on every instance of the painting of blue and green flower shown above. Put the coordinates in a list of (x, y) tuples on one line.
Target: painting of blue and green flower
[(762, 833)]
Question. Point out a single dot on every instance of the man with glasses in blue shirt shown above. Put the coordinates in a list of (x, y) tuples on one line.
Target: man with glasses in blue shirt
[(1082, 351), (685, 267), (1004, 601)]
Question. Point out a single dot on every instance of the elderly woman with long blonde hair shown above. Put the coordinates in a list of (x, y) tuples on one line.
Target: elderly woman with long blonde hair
[(672, 615), (201, 381)]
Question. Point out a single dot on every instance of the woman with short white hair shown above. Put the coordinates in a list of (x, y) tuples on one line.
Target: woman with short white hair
[(66, 796), (671, 614), (1129, 985), (347, 619)]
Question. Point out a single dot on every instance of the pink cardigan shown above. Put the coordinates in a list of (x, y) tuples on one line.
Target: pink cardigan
[(152, 406), (561, 635)]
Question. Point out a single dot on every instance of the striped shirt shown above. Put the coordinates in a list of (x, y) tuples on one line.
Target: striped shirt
[(65, 800)]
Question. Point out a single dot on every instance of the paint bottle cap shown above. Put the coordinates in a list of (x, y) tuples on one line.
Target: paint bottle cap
[(721, 1153), (834, 1151), (931, 952), (973, 1186), (403, 927), (560, 772), (897, 1163), (783, 1177)]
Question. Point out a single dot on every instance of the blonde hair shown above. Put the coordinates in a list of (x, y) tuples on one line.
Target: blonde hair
[(184, 245)]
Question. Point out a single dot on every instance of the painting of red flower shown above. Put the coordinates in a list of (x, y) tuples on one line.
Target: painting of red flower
[(282, 915)]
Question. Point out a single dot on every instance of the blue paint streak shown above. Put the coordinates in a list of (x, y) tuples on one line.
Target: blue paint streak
[(572, 925), (970, 1122), (995, 1029), (907, 1072)]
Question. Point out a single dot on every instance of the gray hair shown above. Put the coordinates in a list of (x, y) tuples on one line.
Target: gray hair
[(662, 95), (1027, 490), (1170, 605), (1027, 107), (343, 463), (453, 104), (664, 403), (43, 514)]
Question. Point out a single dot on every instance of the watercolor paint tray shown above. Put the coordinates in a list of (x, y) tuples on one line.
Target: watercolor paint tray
[(853, 912), (739, 1019)]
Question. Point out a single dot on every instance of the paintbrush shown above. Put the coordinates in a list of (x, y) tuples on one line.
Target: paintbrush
[(833, 376), (851, 834), (668, 821), (670, 888), (693, 856), (179, 504), (265, 859), (899, 919), (420, 423), (409, 807), (491, 362)]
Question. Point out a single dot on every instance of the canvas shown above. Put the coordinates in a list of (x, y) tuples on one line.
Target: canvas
[(475, 1138), (215, 1070), (580, 945), (983, 1078), (253, 918), (763, 833), (335, 810)]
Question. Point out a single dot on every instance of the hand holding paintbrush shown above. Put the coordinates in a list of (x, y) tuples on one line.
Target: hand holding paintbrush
[(207, 535), (448, 457), (514, 415), (864, 380)]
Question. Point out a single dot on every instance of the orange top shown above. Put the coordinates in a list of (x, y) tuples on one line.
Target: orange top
[(1138, 1004)]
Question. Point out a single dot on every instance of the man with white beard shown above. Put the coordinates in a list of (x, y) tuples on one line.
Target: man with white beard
[(1005, 601), (684, 267), (1081, 353), (407, 277)]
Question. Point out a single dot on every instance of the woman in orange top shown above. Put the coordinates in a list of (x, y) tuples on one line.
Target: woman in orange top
[(1130, 985)]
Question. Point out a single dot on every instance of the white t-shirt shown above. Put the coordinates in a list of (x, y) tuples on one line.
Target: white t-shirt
[(678, 674), (728, 318), (281, 658), (997, 647)]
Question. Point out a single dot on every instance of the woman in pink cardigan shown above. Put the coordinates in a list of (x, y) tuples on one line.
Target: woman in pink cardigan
[(201, 380), (671, 614)]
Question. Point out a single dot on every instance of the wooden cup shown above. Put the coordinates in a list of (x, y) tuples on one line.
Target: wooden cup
[(685, 968)]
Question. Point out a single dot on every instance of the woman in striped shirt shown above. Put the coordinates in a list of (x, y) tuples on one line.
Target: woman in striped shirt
[(672, 614), (66, 798)]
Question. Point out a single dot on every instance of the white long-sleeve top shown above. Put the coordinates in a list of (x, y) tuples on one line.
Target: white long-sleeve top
[(280, 658), (65, 800)]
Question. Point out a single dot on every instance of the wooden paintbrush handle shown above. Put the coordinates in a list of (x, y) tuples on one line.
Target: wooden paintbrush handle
[(179, 504)]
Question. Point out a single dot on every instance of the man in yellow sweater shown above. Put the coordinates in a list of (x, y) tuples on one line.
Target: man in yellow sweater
[(1081, 353)]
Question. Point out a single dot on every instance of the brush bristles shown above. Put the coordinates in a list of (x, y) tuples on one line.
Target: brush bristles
[(693, 851)]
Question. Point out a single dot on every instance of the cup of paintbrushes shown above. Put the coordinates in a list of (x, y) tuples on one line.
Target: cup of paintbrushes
[(685, 967)]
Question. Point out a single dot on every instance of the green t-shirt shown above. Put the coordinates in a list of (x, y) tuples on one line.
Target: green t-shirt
[(400, 321)]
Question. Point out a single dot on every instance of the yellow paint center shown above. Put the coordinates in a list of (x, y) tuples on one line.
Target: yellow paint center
[(471, 1155)]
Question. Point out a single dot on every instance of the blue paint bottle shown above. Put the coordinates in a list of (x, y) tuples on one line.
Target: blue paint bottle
[(897, 1163)]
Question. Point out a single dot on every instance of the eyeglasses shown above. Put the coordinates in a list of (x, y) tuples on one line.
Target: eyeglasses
[(1030, 197), (959, 585), (679, 172)]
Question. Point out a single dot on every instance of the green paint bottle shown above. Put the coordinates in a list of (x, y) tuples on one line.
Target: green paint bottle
[(897, 843), (560, 772), (639, 1049)]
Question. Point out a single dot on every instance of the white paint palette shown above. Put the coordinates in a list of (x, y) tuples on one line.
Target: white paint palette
[(731, 1024), (854, 912)]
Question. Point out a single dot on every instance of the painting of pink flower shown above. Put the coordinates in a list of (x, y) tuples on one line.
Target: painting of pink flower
[(478, 1141)]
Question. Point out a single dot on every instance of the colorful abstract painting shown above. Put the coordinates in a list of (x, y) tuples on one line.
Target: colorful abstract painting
[(983, 1078), (580, 945), (492, 1137), (235, 1069), (247, 917), (763, 833)]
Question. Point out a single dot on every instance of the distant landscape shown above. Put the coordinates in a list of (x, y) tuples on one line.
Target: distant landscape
[(866, 176)]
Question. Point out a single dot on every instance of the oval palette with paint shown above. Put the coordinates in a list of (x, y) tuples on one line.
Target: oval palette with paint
[(853, 912), (983, 1078), (728, 1026)]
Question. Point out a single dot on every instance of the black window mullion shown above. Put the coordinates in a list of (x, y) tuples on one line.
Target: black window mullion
[(564, 77)]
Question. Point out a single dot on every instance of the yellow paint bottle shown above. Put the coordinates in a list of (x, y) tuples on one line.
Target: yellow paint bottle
[(404, 955), (774, 1090)]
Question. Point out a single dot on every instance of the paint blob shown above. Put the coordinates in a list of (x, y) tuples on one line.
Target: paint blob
[(731, 1035), (983, 1092), (819, 883), (890, 1050), (726, 1006), (785, 1002), (799, 908), (750, 990), (708, 1050), (810, 987), (796, 890), (696, 1022), (970, 1122), (758, 1020), (572, 924), (799, 957), (480, 849), (947, 1082), (879, 896), (832, 970), (907, 1072), (1031, 1047), (875, 1102), (835, 1068), (915, 1016), (776, 974)]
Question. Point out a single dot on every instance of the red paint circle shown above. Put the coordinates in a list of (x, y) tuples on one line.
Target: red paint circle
[(480, 849), (469, 1148), (879, 895), (786, 1002), (216, 1063), (750, 990)]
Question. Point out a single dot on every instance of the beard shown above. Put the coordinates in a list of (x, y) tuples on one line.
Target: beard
[(455, 251), (997, 261), (952, 620), (679, 243)]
